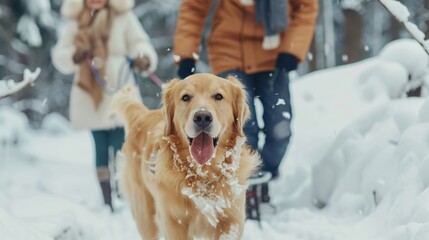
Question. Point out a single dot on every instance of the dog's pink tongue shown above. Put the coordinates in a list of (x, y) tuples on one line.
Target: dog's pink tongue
[(202, 148)]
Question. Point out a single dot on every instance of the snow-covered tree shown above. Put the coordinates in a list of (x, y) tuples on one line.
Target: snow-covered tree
[(9, 87)]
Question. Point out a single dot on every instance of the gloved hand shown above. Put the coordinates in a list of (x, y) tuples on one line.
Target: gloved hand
[(286, 62), (186, 68), (82, 41), (141, 63), (79, 55)]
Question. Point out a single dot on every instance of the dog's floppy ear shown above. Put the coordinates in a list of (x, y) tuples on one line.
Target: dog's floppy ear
[(169, 106), (240, 107)]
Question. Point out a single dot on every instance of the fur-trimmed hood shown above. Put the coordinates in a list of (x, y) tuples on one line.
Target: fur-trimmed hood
[(72, 8)]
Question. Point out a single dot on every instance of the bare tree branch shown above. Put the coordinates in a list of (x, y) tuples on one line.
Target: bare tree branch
[(9, 87), (410, 27)]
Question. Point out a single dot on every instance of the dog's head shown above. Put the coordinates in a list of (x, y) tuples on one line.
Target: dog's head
[(205, 110)]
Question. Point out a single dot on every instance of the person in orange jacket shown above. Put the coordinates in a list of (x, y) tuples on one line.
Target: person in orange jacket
[(259, 42)]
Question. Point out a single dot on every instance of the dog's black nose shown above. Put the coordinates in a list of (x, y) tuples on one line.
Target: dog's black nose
[(203, 118)]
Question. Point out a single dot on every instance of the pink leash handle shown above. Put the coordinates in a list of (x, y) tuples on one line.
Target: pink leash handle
[(155, 79)]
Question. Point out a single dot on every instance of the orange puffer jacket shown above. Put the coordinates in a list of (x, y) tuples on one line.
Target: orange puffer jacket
[(235, 41)]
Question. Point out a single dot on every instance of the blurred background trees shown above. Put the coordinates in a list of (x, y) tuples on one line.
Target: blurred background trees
[(348, 31)]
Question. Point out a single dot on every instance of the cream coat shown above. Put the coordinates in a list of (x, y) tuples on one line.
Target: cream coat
[(127, 38)]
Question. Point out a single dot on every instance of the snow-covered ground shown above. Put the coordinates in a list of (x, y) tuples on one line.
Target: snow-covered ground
[(359, 147)]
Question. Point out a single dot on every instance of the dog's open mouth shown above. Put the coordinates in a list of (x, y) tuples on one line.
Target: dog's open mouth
[(202, 147)]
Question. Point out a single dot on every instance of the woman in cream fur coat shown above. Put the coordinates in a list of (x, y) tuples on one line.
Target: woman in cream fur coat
[(103, 32)]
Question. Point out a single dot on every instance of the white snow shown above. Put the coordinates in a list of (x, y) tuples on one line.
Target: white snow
[(210, 205), (41, 9), (228, 170), (401, 13), (29, 31), (14, 126), (397, 9), (358, 146), (8, 87), (38, 12), (232, 234), (352, 4)]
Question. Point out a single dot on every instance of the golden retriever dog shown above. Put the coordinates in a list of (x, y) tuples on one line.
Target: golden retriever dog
[(187, 164)]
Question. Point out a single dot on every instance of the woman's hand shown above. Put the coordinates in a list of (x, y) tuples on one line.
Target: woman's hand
[(142, 63), (82, 41), (79, 55)]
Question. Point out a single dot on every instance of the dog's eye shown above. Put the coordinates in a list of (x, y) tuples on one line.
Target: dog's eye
[(218, 96), (186, 98)]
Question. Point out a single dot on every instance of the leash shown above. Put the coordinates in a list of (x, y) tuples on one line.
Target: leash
[(155, 79), (152, 76), (122, 78), (100, 80)]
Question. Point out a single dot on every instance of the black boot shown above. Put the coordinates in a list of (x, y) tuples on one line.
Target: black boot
[(103, 175), (107, 193), (252, 204), (265, 193)]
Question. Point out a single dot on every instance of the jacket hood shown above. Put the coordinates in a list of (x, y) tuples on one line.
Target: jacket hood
[(72, 8)]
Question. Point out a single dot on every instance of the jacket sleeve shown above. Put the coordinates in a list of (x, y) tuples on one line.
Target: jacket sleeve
[(62, 52), (190, 24), (138, 42), (300, 30)]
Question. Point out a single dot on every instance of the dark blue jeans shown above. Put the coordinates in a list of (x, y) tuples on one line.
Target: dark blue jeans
[(272, 89), (107, 142)]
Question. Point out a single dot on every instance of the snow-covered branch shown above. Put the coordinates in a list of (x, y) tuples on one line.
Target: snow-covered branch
[(9, 87), (401, 13)]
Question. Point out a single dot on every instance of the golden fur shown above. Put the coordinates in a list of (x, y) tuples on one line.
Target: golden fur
[(169, 192)]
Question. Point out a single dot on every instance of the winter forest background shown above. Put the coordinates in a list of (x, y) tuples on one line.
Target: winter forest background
[(347, 31)]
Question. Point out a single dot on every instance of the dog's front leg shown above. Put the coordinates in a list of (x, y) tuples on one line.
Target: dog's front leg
[(231, 225), (144, 214), (141, 201), (230, 230), (173, 229)]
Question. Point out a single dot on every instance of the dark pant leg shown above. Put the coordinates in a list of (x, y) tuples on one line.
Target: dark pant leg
[(251, 128), (116, 139), (101, 142), (273, 91), (101, 147)]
